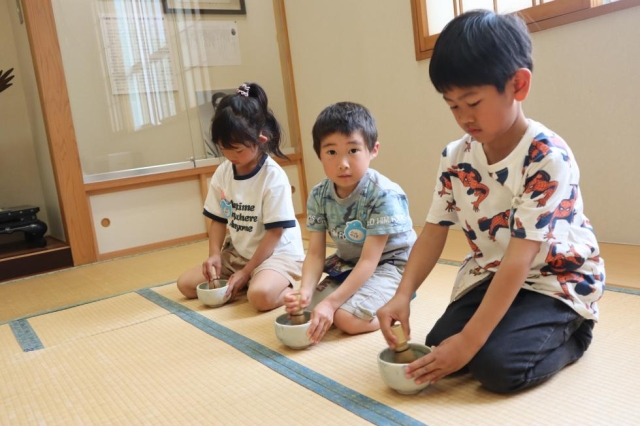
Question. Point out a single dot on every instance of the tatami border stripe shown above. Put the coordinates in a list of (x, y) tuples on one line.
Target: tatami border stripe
[(349, 399), (449, 262), (622, 290), (84, 302), (25, 335)]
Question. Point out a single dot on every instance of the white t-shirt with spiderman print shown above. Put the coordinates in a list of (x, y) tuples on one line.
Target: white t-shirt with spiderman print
[(533, 193)]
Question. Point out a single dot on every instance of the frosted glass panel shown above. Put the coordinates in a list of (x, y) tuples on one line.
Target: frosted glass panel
[(508, 6), (476, 4), (143, 82), (440, 13)]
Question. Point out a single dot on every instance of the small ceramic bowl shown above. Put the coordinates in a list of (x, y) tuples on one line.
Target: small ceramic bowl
[(392, 373), (293, 336), (213, 297)]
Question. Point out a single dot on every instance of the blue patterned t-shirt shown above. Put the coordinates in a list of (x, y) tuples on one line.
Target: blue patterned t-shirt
[(377, 206)]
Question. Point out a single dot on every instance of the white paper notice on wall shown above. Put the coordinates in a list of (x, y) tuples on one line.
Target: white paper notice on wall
[(210, 43), (137, 54)]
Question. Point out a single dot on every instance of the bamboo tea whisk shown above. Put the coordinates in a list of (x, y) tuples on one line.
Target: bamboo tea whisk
[(298, 317), (404, 354)]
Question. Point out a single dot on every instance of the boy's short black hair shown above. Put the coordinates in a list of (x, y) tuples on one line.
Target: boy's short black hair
[(345, 118), (480, 48)]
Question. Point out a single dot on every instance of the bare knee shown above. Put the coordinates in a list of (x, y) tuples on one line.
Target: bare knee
[(351, 324), (186, 287), (267, 289), (262, 301)]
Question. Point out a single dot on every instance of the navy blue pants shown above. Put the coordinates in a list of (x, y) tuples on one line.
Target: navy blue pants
[(536, 338)]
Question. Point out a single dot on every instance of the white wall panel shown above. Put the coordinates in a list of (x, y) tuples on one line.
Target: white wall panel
[(147, 215)]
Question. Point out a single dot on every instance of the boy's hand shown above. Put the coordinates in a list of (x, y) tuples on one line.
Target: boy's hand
[(296, 300), (396, 310), (321, 321), (452, 354)]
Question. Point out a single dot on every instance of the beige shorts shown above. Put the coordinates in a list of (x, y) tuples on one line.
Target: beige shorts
[(370, 297), (282, 264)]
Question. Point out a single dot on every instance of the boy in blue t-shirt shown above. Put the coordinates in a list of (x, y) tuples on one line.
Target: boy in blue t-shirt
[(367, 217), (524, 302)]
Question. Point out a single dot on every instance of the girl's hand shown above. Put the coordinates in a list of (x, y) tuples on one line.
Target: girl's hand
[(237, 282), (211, 267), (396, 310), (321, 321)]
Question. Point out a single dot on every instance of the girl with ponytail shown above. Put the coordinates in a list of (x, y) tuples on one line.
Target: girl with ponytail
[(250, 197)]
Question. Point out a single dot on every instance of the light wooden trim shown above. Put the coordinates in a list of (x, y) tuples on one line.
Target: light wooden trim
[(167, 177), (303, 181), (423, 43), (139, 185), (581, 15), (286, 65), (146, 180), (544, 11), (153, 246), (293, 158), (56, 112), (538, 18)]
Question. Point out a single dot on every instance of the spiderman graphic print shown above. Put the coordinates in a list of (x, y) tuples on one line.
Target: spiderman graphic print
[(534, 193)]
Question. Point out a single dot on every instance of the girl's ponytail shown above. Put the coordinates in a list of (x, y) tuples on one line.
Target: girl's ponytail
[(272, 129), (240, 118)]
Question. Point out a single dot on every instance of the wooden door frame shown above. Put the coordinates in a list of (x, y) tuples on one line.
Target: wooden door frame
[(61, 136)]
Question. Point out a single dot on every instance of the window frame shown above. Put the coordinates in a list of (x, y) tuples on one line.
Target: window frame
[(538, 18)]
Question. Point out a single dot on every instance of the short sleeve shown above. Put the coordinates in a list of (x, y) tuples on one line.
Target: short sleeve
[(277, 206), (316, 217), (389, 213), (443, 206), (212, 205), (547, 205)]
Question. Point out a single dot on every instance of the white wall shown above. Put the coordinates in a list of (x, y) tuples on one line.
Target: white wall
[(585, 87)]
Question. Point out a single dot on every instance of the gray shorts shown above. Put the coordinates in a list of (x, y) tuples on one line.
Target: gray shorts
[(232, 262), (373, 294)]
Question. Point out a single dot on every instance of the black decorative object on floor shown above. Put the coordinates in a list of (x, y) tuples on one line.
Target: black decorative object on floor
[(24, 219)]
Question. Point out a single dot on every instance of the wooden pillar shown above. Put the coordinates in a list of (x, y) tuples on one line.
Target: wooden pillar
[(56, 111)]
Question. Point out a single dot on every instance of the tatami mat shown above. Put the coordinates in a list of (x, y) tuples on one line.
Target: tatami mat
[(9, 346), (94, 318), (351, 361), (116, 343), (162, 371), (43, 293), (153, 357)]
